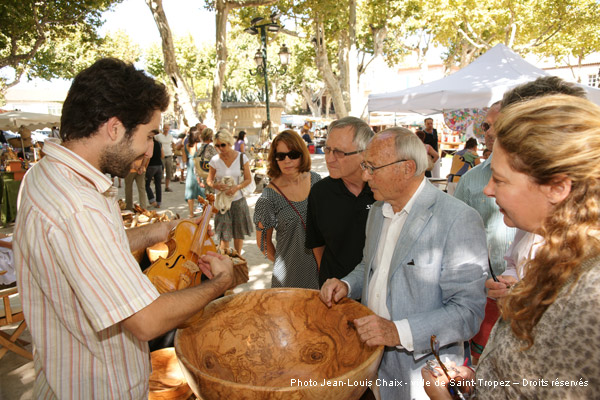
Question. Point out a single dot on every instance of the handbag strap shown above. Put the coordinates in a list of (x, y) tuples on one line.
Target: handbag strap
[(242, 177), (241, 163), (290, 203), (203, 150)]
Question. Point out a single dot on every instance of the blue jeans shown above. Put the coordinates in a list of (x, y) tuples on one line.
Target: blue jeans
[(154, 172)]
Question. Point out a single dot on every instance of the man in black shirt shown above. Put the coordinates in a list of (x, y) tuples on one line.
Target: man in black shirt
[(338, 205), (431, 138), (154, 171)]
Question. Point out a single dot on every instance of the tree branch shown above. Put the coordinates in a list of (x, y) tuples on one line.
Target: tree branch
[(538, 41), (15, 58), (291, 33), (464, 34), (470, 28)]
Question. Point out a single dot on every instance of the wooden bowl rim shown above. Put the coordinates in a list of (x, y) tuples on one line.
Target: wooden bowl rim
[(235, 385)]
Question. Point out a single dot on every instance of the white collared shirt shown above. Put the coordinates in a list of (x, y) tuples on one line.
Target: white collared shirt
[(378, 286), (522, 249)]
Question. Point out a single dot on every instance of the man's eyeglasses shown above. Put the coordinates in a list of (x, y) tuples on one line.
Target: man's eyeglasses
[(485, 126), (371, 169), (339, 153), (292, 155), (221, 145), (452, 388)]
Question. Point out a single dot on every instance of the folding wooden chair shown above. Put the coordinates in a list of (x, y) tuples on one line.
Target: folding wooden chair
[(10, 313)]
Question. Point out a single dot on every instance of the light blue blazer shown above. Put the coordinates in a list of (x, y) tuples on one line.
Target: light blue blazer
[(436, 282)]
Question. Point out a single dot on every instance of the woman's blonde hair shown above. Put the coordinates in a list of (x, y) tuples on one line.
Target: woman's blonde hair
[(224, 136), (207, 134), (550, 138), (294, 142)]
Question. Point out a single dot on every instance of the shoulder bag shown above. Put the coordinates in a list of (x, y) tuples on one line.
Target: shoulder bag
[(201, 164)]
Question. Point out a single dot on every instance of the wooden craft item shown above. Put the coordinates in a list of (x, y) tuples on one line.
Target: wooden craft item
[(187, 242), (167, 381), (14, 165), (179, 270), (261, 344)]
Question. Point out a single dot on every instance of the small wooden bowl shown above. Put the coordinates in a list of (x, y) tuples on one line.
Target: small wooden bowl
[(167, 381), (277, 344)]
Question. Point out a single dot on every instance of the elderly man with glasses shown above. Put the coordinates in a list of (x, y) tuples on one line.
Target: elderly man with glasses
[(423, 268), (470, 190), (338, 205)]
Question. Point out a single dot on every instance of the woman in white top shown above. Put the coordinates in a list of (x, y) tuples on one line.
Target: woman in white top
[(227, 177)]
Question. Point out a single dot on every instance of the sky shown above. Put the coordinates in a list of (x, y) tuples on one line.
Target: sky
[(184, 17)]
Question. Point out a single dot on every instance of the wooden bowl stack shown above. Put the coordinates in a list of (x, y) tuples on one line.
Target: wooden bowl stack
[(277, 344)]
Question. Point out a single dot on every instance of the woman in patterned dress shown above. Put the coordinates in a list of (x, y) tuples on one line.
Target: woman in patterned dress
[(282, 208), (546, 180), (233, 223)]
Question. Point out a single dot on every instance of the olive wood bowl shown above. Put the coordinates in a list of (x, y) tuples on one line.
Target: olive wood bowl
[(277, 344)]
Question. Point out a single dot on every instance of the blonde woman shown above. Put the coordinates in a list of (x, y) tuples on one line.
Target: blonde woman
[(207, 152), (546, 180), (235, 223)]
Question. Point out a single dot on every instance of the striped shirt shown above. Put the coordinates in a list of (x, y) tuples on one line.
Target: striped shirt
[(498, 235), (78, 280)]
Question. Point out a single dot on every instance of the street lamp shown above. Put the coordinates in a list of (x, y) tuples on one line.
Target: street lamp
[(260, 57)]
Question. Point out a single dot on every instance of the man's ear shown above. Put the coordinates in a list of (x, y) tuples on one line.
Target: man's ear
[(114, 128), (558, 189), (410, 167)]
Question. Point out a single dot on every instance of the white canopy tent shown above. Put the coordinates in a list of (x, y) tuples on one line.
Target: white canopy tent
[(13, 120), (479, 84)]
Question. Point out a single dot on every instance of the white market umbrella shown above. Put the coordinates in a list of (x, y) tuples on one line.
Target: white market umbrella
[(13, 120), (477, 85)]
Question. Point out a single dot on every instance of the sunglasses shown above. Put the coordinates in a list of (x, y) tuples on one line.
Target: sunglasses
[(485, 126), (292, 155), (221, 145), (452, 387)]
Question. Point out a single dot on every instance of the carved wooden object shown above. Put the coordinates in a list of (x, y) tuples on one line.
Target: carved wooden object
[(167, 380), (272, 343)]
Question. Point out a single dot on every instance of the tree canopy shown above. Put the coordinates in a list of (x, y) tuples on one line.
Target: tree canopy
[(332, 42), (31, 31)]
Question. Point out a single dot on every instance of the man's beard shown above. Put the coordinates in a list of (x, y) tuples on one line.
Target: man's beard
[(117, 159)]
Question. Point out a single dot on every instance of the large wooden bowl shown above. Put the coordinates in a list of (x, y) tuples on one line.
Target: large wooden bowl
[(277, 344)]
